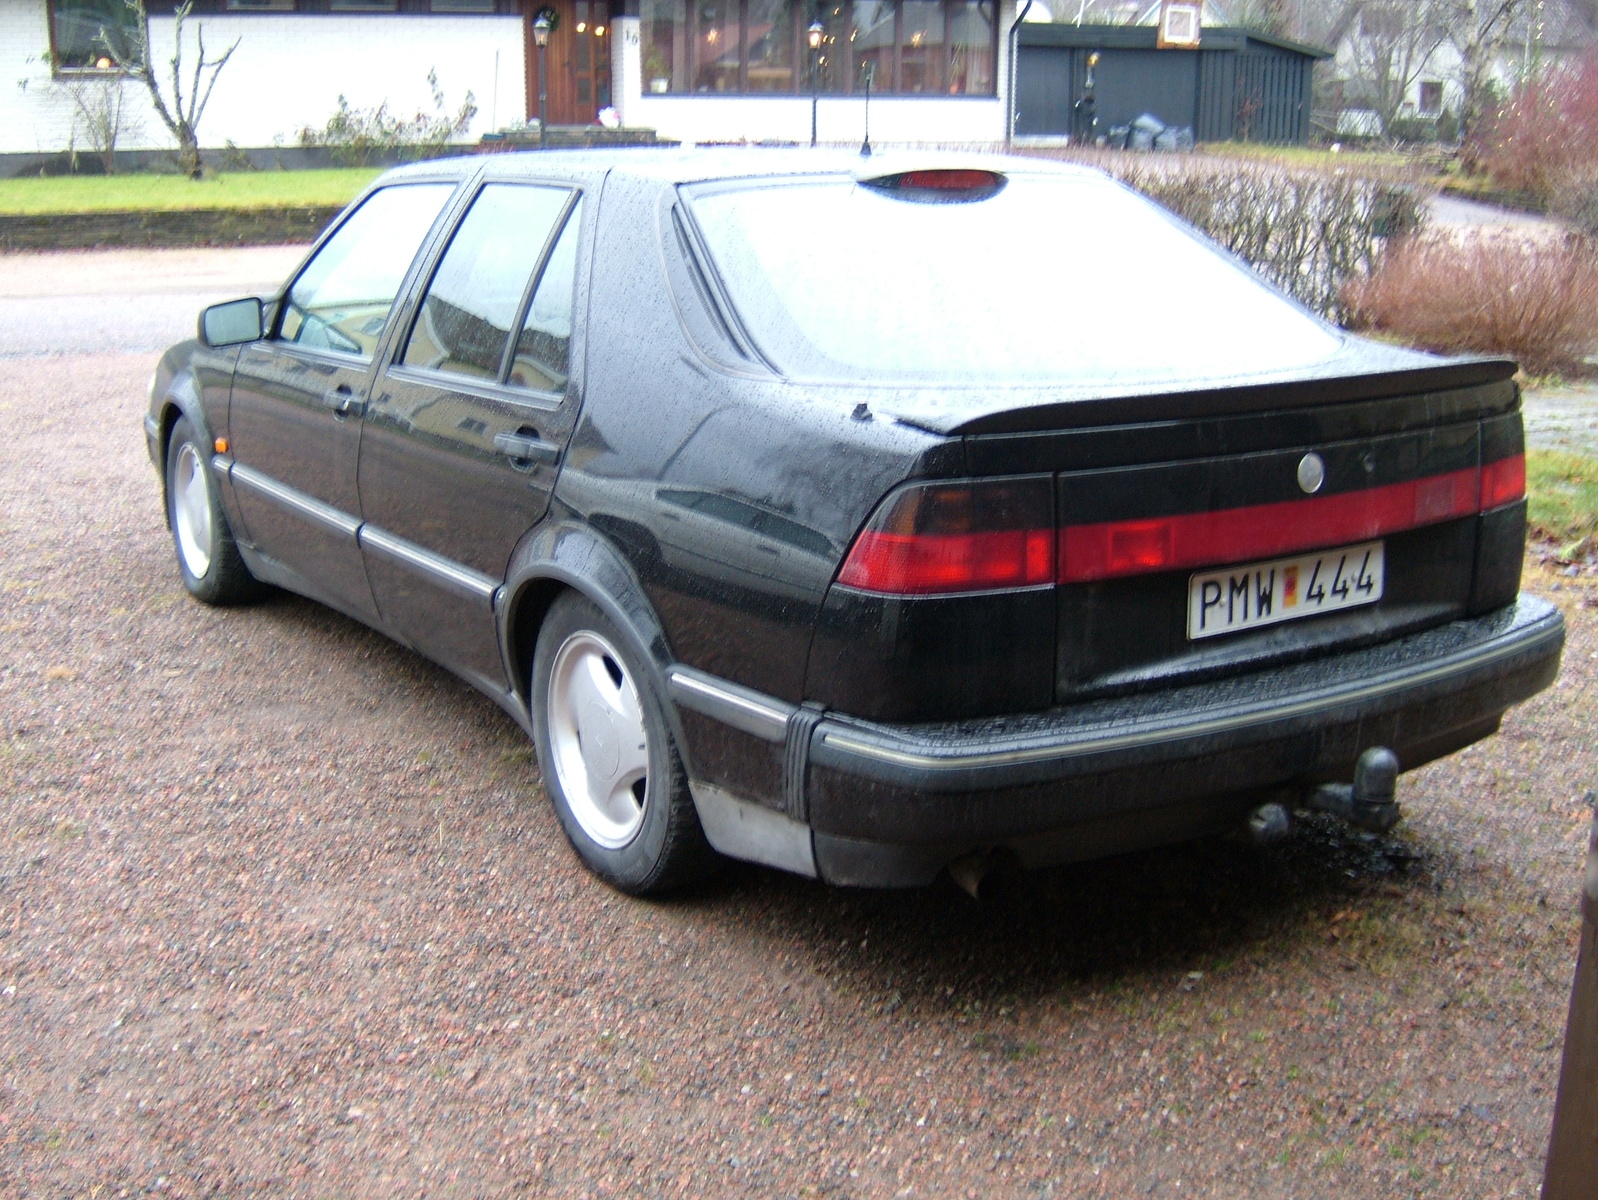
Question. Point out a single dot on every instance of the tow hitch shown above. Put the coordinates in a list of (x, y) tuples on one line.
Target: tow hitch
[(1371, 801)]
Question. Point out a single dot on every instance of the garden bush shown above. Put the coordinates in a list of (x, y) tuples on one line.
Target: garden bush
[(1308, 230), (357, 136), (1496, 293), (1545, 138)]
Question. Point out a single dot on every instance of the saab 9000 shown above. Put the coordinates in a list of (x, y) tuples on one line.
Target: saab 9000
[(865, 518)]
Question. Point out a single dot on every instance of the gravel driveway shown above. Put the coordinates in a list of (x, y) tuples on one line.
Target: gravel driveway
[(284, 913)]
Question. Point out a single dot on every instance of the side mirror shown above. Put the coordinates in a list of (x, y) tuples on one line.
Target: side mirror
[(233, 323)]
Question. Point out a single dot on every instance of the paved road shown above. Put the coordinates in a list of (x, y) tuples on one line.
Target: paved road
[(284, 914), (1451, 210), (1563, 418), (124, 301)]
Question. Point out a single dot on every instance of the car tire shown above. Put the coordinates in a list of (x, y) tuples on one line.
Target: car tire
[(208, 557), (609, 762)]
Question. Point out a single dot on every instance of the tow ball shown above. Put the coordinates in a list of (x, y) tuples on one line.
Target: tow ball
[(1370, 802)]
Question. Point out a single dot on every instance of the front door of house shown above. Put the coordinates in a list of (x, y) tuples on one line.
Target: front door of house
[(577, 58)]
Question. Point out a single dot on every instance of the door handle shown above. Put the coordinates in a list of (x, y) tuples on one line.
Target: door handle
[(344, 402), (526, 448)]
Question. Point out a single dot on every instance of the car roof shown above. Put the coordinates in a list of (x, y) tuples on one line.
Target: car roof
[(693, 164)]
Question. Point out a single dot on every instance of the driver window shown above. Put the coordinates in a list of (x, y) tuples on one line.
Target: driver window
[(342, 299)]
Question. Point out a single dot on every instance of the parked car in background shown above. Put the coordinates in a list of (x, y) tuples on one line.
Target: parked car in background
[(804, 509)]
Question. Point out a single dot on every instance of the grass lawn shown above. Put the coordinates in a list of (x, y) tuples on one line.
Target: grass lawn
[(243, 189), (1563, 494), (1315, 156)]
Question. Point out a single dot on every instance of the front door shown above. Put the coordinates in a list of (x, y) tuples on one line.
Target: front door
[(298, 395), (578, 59), (468, 421)]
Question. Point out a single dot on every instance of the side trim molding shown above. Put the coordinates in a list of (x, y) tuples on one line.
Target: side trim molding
[(448, 574), (742, 708), (740, 829), (295, 501)]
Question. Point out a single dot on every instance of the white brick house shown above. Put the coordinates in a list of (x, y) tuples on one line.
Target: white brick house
[(711, 70)]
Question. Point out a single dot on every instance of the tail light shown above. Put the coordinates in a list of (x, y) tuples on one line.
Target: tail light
[(1503, 481), (940, 538), (1118, 548)]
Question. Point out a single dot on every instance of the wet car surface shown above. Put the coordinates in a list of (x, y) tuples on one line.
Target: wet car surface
[(869, 553)]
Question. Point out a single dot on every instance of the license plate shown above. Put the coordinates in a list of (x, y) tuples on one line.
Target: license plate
[(1284, 589)]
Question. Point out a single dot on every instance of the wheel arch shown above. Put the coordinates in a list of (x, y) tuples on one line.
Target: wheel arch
[(179, 399), (570, 556)]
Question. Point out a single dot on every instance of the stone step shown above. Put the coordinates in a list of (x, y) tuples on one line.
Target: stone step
[(569, 137)]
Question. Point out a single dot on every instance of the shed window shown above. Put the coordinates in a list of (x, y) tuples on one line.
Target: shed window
[(908, 47), (95, 35)]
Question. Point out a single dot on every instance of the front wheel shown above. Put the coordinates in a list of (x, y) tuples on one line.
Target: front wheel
[(610, 766), (208, 557)]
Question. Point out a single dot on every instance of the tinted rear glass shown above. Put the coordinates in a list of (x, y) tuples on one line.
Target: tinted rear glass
[(1053, 278)]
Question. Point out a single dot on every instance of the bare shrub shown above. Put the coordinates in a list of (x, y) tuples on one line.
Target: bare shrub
[(1307, 230), (1546, 137), (1533, 299), (358, 135), (101, 115)]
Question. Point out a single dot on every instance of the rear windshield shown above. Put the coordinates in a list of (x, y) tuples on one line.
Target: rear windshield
[(1070, 279)]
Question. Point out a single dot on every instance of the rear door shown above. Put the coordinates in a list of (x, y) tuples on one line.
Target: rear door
[(469, 419), (295, 418)]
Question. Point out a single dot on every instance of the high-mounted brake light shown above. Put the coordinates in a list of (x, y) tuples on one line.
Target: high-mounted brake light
[(942, 538), (940, 184)]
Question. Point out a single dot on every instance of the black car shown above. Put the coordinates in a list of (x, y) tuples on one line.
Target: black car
[(865, 517)]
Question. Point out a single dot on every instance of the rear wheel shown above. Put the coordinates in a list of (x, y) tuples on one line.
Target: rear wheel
[(610, 766), (208, 557)]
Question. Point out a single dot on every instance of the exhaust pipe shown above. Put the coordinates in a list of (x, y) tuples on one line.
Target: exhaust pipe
[(1371, 801), (970, 870)]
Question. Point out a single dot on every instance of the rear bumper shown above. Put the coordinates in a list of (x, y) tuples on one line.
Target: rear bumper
[(892, 804)]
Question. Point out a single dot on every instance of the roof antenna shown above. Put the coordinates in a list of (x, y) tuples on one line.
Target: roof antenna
[(867, 69)]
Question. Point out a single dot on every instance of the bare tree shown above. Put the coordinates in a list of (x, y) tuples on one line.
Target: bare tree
[(1481, 27), (182, 109)]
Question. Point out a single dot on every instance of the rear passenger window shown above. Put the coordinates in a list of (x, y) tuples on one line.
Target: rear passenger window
[(543, 349), (480, 289)]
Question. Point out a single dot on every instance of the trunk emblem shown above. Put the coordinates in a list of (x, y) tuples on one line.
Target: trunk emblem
[(1311, 472)]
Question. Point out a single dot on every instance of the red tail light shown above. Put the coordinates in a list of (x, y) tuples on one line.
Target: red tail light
[(938, 538), (966, 537), (1117, 548), (1503, 481)]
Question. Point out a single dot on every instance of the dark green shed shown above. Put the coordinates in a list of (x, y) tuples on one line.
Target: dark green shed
[(1238, 85)]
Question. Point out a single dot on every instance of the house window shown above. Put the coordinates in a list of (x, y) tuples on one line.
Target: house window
[(362, 5), (260, 5), (909, 47), (95, 35), (463, 6), (1431, 99)]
